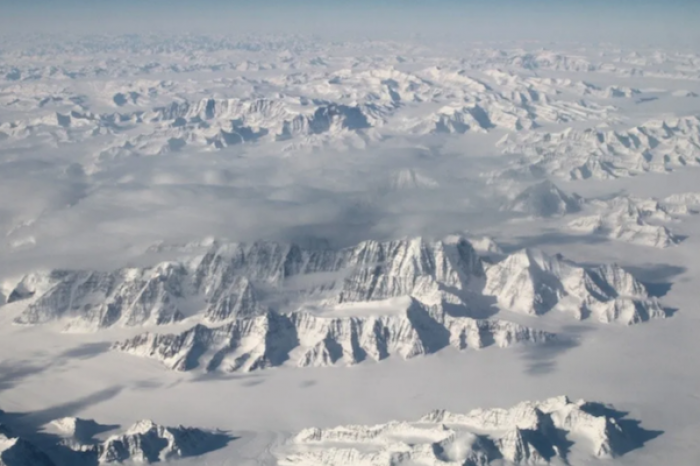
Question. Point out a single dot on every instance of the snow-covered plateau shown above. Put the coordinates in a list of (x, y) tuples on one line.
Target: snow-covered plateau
[(252, 235)]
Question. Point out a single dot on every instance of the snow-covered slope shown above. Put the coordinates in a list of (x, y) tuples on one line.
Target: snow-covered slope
[(543, 432), (535, 283), (245, 281), (634, 220), (222, 282), (148, 442), (98, 299), (303, 340)]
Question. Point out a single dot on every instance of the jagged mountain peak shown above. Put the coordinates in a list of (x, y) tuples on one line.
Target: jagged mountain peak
[(303, 339), (533, 282), (148, 442), (226, 281), (246, 280), (607, 153)]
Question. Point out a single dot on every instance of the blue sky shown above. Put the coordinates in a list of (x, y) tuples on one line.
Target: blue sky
[(668, 20)]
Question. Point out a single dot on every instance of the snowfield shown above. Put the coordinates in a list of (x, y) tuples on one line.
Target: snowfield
[(235, 239)]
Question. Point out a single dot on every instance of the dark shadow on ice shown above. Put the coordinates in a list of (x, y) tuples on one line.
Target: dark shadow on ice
[(87, 429), (655, 273), (431, 333), (658, 290), (252, 383), (656, 277), (631, 435), (542, 359), (145, 385), (548, 440), (82, 448), (38, 418), (13, 372), (642, 100), (221, 376), (29, 426), (476, 305), (670, 311), (86, 351), (216, 440)]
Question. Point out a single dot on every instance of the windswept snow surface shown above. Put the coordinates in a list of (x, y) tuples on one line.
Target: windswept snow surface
[(254, 235)]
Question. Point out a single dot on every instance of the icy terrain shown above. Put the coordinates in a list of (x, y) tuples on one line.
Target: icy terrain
[(144, 442), (528, 433), (258, 234)]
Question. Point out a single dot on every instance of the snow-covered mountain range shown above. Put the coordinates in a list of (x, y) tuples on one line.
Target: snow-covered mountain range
[(641, 221), (534, 283), (145, 442), (606, 153), (258, 233), (635, 220), (304, 340), (148, 442), (247, 281), (544, 432)]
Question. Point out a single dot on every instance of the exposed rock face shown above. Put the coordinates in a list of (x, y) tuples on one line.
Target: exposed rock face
[(101, 299), (222, 282), (304, 340), (408, 267), (226, 122), (249, 281), (143, 442), (528, 433), (534, 283), (147, 442)]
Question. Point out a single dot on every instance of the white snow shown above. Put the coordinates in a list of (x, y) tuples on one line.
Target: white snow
[(312, 232), (530, 432)]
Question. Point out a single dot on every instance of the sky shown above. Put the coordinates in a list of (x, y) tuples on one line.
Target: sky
[(670, 21)]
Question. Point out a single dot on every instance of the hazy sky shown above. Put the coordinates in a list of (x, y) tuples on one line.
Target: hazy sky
[(669, 21)]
